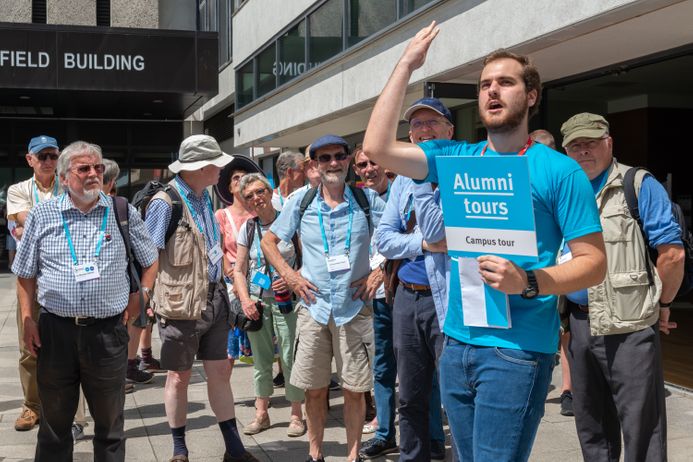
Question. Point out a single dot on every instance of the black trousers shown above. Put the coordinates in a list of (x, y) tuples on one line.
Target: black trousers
[(418, 343), (618, 386), (95, 357)]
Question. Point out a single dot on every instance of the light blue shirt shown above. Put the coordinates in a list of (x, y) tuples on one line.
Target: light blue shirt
[(564, 208), (333, 299), (394, 243)]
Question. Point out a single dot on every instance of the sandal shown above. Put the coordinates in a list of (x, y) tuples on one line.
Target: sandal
[(296, 428)]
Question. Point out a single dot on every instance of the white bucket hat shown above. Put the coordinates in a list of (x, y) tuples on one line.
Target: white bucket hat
[(198, 151)]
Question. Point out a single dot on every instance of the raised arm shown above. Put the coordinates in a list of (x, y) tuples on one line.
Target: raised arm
[(380, 142)]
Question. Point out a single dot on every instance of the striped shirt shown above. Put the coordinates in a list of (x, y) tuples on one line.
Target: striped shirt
[(45, 255), (159, 214)]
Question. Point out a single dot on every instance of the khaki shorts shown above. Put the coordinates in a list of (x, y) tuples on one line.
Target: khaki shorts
[(351, 345)]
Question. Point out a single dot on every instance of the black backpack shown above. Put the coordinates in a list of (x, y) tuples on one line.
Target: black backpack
[(254, 223), (122, 216), (686, 236), (144, 196), (359, 195)]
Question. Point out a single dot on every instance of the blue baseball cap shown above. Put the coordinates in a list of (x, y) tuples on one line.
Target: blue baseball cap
[(39, 143), (433, 104), (327, 140)]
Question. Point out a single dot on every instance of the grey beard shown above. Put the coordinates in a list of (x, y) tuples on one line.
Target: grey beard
[(87, 196), (333, 178)]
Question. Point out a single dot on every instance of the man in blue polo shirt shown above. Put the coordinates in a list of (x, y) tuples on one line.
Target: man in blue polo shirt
[(335, 286), (495, 381)]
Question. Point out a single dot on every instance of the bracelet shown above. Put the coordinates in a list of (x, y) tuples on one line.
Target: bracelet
[(665, 305)]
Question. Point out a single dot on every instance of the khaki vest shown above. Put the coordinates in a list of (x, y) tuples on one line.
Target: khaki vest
[(180, 291), (625, 301)]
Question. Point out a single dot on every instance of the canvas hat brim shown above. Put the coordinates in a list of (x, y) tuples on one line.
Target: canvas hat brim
[(219, 161), (594, 133), (238, 163)]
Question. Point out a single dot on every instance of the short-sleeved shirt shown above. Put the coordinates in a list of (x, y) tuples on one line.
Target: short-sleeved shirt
[(564, 208), (230, 230), (23, 196), (334, 296), (45, 255), (286, 249), (159, 214)]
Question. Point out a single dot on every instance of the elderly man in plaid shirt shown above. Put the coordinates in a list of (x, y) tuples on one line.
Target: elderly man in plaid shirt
[(73, 253)]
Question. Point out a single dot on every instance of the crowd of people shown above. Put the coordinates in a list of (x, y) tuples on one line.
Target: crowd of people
[(359, 277)]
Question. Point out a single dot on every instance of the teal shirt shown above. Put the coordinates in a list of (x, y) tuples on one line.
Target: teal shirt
[(564, 208)]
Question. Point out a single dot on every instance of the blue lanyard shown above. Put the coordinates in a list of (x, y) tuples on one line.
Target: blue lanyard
[(36, 196), (387, 195), (194, 213), (99, 243), (281, 199), (347, 244), (409, 207)]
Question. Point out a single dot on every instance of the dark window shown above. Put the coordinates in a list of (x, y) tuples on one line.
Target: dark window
[(367, 17), (207, 15), (245, 84), (413, 5), (325, 39), (38, 11), (267, 80), (292, 54), (224, 28), (103, 13)]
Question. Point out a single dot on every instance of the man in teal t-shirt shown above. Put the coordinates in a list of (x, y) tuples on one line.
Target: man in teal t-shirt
[(498, 378)]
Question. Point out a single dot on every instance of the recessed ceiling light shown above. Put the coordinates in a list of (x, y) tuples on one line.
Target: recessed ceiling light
[(24, 97), (147, 114), (158, 101)]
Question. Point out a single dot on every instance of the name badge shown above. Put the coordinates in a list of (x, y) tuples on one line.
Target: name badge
[(565, 257), (86, 272), (338, 263), (215, 253), (262, 280)]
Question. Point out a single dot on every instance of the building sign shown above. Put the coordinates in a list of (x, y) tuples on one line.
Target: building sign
[(92, 59)]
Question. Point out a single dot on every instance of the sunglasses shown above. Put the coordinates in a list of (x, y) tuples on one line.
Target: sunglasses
[(339, 157), (364, 164), (257, 193), (47, 155), (86, 168)]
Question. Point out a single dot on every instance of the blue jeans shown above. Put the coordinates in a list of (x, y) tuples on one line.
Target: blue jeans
[(494, 398)]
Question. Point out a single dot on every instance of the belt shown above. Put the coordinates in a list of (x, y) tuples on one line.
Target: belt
[(415, 287), (584, 308), (82, 321)]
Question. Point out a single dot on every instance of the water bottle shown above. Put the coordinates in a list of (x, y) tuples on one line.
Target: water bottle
[(283, 299)]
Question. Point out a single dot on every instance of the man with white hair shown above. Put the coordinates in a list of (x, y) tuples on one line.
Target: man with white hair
[(291, 177), (73, 253)]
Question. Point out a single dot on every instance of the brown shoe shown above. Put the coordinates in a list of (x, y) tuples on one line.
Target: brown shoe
[(256, 426), (27, 420)]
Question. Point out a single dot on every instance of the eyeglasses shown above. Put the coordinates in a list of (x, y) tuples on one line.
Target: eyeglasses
[(339, 157), (432, 123), (86, 168), (257, 193), (236, 178), (586, 146), (364, 164), (44, 156)]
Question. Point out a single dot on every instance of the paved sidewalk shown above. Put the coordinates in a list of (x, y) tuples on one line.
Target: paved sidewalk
[(149, 436)]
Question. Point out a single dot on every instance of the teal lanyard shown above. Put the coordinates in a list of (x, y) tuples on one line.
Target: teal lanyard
[(197, 219), (99, 243), (37, 201), (347, 244), (409, 207), (281, 199), (257, 242), (387, 195)]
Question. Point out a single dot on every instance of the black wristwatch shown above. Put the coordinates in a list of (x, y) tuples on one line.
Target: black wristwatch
[(532, 289)]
